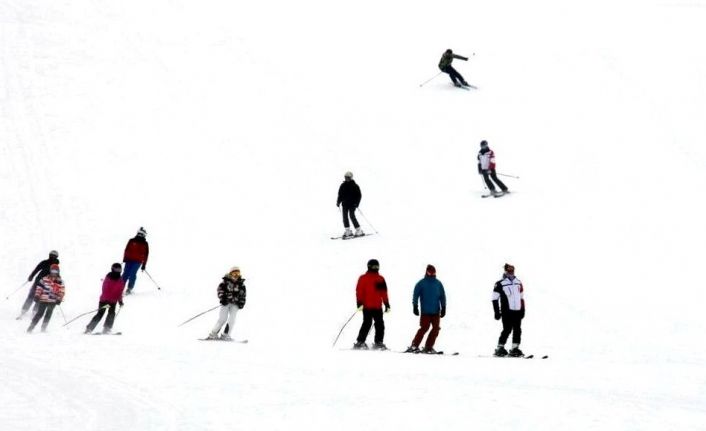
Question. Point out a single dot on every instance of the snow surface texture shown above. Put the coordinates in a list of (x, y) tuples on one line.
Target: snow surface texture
[(225, 128)]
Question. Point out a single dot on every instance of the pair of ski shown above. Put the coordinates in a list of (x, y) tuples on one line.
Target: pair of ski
[(226, 341), (466, 87), (106, 333), (346, 238), (495, 195), (512, 357)]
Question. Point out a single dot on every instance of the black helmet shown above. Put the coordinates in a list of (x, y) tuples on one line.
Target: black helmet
[(116, 267), (373, 265), (483, 144)]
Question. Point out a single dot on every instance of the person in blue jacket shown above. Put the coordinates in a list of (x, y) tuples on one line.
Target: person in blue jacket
[(430, 293)]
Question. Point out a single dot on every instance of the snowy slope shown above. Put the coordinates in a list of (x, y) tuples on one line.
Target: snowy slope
[(225, 129)]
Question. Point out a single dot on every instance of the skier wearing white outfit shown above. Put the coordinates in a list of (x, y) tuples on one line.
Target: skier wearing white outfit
[(231, 294), (509, 305)]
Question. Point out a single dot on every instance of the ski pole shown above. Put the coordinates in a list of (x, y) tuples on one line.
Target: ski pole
[(345, 324), (62, 314), (367, 221), (83, 314), (15, 291), (506, 175), (428, 80), (200, 314), (155, 283)]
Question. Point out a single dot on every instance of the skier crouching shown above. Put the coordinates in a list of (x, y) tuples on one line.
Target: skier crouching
[(509, 305), (231, 294)]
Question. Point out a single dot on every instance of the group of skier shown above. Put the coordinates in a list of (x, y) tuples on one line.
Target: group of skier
[(47, 289), (429, 303)]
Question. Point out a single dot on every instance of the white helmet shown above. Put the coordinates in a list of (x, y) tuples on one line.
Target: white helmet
[(348, 174)]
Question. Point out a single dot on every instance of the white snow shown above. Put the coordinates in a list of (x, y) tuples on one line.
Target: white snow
[(224, 128)]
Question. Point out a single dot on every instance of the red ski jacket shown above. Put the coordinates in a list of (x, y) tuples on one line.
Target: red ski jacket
[(137, 250), (112, 289), (371, 291)]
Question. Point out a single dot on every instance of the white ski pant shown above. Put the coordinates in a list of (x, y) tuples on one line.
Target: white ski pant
[(227, 313)]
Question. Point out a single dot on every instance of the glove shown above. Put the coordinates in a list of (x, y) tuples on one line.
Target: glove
[(338, 204), (224, 301), (415, 310), (144, 267), (387, 308), (121, 303), (29, 279), (497, 316), (522, 314), (443, 312), (58, 302), (358, 304)]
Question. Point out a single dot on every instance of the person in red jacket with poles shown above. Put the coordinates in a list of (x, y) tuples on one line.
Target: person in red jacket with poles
[(371, 295), (136, 252), (111, 296)]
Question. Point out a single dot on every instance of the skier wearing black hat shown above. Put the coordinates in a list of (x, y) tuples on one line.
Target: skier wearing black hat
[(509, 305), (41, 271), (445, 65), (371, 295), (430, 293), (349, 196), (111, 296), (486, 167)]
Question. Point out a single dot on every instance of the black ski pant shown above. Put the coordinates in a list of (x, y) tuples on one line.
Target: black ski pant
[(454, 75), (490, 174), (512, 322), (43, 309), (349, 212), (108, 325), (368, 317)]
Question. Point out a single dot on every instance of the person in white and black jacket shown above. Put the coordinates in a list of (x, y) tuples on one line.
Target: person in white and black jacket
[(231, 294), (486, 167), (509, 305)]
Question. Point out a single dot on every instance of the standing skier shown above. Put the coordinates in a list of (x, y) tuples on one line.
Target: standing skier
[(509, 305), (349, 195), (486, 167), (41, 271), (231, 294), (371, 294), (137, 251), (111, 295), (445, 65), (430, 292), (49, 293)]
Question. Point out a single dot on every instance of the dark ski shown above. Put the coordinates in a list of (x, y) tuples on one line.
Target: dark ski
[(110, 333), (226, 341), (351, 237)]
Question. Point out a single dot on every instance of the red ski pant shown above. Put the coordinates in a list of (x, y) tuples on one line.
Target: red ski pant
[(425, 321)]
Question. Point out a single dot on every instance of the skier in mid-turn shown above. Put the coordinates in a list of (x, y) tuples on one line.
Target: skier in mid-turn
[(231, 295), (445, 65), (509, 305), (349, 196), (486, 168), (111, 296)]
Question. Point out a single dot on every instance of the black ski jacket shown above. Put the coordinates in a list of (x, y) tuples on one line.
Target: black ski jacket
[(349, 194), (42, 269)]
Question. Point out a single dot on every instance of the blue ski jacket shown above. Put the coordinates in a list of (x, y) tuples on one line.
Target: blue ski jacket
[(430, 292)]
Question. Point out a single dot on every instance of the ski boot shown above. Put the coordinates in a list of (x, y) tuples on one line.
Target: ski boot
[(515, 352), (496, 193), (128, 292), (500, 351), (360, 345), (212, 336), (465, 84), (347, 233), (226, 337), (107, 331), (412, 349), (359, 232), (379, 346), (87, 331), (429, 350)]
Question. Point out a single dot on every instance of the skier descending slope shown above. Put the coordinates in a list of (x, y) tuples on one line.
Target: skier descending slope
[(111, 296), (430, 292), (40, 271), (371, 294), (49, 293), (137, 251), (445, 65), (486, 167), (349, 196), (231, 294), (509, 305)]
